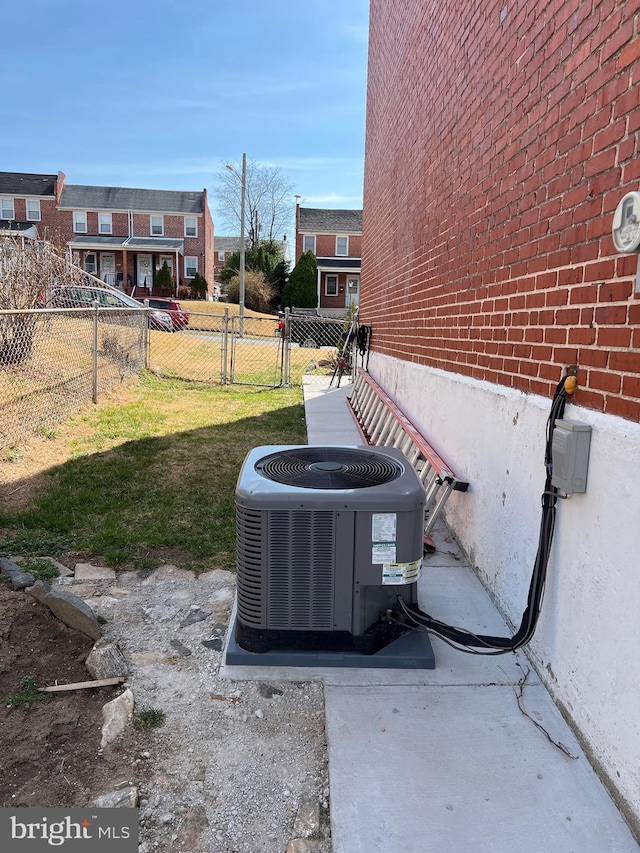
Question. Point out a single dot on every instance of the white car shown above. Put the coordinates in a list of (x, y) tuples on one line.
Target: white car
[(83, 296)]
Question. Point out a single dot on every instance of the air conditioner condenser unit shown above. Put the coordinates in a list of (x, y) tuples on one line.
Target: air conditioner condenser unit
[(328, 537)]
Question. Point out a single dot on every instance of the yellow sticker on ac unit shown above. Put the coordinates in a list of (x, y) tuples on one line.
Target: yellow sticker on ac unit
[(401, 573)]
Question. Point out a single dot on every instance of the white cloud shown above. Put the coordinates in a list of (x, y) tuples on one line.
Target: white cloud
[(330, 199), (294, 164)]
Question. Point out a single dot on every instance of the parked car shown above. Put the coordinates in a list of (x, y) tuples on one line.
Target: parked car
[(84, 296), (179, 317)]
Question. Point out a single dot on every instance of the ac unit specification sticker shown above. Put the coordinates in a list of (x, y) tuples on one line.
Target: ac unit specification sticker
[(401, 573), (383, 537)]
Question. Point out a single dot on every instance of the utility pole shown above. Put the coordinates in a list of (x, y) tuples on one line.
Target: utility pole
[(243, 191)]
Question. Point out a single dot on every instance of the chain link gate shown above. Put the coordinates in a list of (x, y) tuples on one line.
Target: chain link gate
[(254, 352), (262, 351)]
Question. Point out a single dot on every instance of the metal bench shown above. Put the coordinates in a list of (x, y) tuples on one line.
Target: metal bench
[(382, 422)]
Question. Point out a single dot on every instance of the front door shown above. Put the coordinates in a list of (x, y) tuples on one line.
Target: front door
[(108, 268), (145, 271), (352, 292)]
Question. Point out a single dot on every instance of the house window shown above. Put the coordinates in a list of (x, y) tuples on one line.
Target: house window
[(190, 226), (80, 221), (309, 243), (221, 257), (104, 223), (190, 267), (90, 263), (342, 245), (33, 209), (157, 226), (331, 285), (6, 208)]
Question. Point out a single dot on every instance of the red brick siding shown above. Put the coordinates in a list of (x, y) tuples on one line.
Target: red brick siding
[(339, 300), (206, 234), (326, 245), (500, 138)]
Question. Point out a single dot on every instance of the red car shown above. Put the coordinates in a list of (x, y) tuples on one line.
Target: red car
[(179, 318)]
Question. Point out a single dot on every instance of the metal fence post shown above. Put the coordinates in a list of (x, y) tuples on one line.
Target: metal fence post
[(96, 305), (225, 345), (146, 335), (286, 343), (234, 341)]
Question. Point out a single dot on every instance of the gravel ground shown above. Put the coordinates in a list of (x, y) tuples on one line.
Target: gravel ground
[(236, 766)]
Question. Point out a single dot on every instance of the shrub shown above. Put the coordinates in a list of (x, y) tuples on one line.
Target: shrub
[(301, 289), (258, 293), (199, 286), (163, 282)]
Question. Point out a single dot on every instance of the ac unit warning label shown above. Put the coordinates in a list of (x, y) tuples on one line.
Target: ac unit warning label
[(401, 573), (383, 537)]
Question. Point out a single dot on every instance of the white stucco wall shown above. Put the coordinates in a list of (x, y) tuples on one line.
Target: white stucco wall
[(588, 637)]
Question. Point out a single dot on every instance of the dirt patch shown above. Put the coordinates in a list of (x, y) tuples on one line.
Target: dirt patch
[(233, 765), (50, 747)]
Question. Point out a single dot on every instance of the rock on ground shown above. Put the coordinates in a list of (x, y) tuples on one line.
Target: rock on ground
[(236, 765)]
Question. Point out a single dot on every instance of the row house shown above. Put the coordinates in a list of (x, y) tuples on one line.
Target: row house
[(121, 235), (335, 238), (224, 247), (25, 200)]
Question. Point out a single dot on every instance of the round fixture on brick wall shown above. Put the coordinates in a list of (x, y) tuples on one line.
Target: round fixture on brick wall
[(626, 223)]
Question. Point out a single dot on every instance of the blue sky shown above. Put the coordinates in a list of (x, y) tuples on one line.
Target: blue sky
[(162, 93)]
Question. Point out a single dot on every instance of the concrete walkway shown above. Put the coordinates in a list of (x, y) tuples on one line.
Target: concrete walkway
[(444, 760)]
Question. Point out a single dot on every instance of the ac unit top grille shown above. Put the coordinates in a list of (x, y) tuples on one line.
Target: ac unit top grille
[(329, 468)]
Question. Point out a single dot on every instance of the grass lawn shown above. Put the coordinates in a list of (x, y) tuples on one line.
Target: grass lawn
[(151, 479)]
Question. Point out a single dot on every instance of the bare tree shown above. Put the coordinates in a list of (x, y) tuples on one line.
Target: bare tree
[(268, 201), (28, 269)]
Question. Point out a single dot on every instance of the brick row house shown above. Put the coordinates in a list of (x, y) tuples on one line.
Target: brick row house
[(500, 140), (335, 238), (224, 247), (121, 235)]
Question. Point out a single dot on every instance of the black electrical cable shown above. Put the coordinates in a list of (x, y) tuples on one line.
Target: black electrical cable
[(486, 643), (363, 340)]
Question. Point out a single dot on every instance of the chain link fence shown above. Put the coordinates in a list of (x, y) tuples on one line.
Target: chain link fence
[(53, 360)]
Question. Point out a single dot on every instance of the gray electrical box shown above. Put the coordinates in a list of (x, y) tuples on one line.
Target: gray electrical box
[(570, 456)]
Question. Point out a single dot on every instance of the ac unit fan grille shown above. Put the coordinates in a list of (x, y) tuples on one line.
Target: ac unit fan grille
[(301, 578), (285, 569), (329, 468), (249, 553)]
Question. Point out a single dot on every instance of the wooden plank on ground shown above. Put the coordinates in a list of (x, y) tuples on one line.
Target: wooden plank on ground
[(82, 685)]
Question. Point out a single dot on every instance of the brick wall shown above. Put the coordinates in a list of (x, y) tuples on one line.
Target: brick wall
[(206, 234), (326, 245), (500, 138)]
